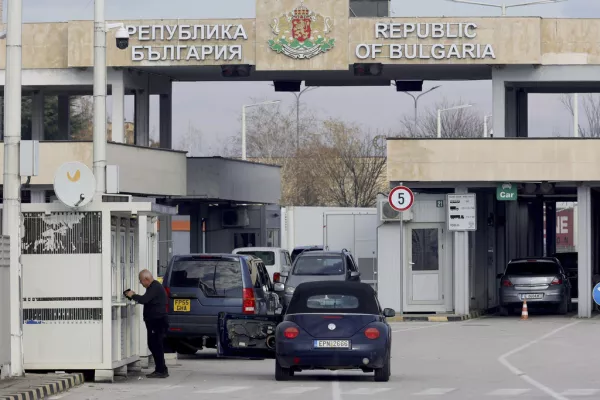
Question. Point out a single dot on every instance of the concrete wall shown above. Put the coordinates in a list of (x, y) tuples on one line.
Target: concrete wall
[(233, 180), (516, 40), (142, 170), (493, 160)]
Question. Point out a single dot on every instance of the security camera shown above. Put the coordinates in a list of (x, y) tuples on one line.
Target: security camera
[(122, 37)]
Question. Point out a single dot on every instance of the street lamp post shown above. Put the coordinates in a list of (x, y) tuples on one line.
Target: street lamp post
[(439, 117), (297, 95), (503, 7), (416, 100), (244, 123)]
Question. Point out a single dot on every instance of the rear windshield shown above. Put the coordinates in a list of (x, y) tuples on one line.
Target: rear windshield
[(533, 268), (216, 278), (333, 301), (268, 257), (319, 265)]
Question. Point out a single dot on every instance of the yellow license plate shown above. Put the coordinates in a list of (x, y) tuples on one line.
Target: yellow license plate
[(181, 306)]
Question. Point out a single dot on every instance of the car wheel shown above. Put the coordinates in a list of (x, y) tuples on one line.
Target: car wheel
[(383, 374), (282, 374), (563, 308)]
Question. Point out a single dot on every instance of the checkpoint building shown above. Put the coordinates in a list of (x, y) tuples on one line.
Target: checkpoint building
[(334, 43)]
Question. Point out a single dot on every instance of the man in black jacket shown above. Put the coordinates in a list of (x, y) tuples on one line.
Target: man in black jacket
[(155, 317)]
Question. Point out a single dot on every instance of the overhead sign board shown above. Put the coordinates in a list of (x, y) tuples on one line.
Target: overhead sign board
[(506, 192), (401, 198), (462, 212)]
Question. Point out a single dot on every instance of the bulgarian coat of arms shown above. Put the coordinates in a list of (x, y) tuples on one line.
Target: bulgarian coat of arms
[(301, 34)]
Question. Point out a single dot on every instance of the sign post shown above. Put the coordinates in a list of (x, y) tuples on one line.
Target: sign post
[(401, 198)]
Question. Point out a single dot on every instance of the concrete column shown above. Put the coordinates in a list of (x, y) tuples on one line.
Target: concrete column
[(37, 116), (535, 228), (166, 121), (550, 228), (38, 196), (64, 115), (142, 117), (584, 249), (165, 241), (461, 269), (118, 109), (498, 104)]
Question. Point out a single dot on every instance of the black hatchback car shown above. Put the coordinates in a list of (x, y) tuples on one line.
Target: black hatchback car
[(200, 286)]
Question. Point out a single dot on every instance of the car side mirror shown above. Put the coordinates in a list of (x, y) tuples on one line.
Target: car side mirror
[(499, 276), (389, 313), (354, 274), (279, 287)]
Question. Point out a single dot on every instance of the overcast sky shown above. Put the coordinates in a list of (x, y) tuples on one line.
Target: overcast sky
[(214, 108)]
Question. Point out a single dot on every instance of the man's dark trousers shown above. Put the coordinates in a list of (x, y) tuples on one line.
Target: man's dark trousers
[(157, 329)]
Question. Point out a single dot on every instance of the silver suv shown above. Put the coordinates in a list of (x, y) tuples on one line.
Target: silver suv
[(540, 281)]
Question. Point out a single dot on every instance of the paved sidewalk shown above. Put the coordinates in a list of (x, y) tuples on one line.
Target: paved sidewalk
[(38, 386)]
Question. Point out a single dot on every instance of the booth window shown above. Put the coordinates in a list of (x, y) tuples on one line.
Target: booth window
[(425, 250)]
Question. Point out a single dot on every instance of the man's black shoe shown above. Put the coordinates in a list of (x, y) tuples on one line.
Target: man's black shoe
[(158, 375)]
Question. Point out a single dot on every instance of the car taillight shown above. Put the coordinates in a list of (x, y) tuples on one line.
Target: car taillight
[(276, 277), (556, 281), (372, 333), (507, 283), (249, 302), (168, 297), (291, 333)]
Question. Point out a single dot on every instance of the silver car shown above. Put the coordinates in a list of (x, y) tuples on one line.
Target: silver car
[(319, 266), (540, 281)]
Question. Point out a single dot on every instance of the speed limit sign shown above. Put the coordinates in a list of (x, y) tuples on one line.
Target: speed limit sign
[(401, 198)]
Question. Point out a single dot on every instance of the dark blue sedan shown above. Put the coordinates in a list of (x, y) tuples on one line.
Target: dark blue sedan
[(330, 325)]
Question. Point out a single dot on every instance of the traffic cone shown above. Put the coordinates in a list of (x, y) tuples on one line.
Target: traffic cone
[(524, 312)]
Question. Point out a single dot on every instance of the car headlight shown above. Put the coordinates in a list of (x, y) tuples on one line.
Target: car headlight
[(289, 290)]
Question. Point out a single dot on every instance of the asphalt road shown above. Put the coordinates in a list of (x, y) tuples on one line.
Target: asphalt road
[(547, 357)]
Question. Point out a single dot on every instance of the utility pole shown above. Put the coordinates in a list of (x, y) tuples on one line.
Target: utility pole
[(11, 211), (99, 134), (416, 101)]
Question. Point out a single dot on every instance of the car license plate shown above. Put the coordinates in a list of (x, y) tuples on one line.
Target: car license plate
[(181, 306), (332, 344), (532, 296)]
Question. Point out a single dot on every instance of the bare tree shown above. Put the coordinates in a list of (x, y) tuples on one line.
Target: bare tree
[(459, 123), (350, 163), (192, 141), (591, 113)]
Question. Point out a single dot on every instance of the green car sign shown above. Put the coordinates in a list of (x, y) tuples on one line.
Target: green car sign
[(506, 192)]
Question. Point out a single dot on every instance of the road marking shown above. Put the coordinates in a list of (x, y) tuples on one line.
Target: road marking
[(367, 391), (296, 390), (437, 325), (502, 360), (435, 391), (508, 392), (336, 390), (223, 389), (580, 392)]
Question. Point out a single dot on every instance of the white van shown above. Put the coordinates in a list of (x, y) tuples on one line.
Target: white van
[(276, 259)]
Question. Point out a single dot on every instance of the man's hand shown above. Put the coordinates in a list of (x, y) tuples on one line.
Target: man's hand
[(129, 293)]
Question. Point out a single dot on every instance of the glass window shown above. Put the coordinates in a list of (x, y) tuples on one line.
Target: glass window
[(285, 259), (272, 237), (533, 268), (425, 250), (122, 250), (131, 248), (268, 257), (334, 301), (216, 278), (315, 265), (244, 240)]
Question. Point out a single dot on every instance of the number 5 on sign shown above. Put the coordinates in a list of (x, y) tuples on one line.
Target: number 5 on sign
[(401, 198)]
